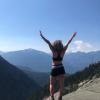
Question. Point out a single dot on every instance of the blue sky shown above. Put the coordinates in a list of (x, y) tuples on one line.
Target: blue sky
[(21, 20)]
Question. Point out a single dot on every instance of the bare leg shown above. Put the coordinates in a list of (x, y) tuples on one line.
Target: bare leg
[(61, 84), (52, 80)]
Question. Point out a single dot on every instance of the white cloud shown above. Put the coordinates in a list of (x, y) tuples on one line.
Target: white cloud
[(82, 46)]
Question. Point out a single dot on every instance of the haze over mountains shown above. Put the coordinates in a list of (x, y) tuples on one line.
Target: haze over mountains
[(36, 60), (1, 52), (79, 60), (41, 62)]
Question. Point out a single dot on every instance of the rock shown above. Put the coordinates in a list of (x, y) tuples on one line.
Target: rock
[(89, 91)]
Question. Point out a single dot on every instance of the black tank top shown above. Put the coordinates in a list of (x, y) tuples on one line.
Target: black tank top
[(58, 58)]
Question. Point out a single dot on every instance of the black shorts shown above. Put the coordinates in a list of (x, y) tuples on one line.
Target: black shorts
[(57, 71)]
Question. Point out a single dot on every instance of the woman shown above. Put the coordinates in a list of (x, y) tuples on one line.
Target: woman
[(58, 71)]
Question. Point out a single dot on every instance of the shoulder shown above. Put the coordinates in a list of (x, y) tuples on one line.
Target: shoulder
[(63, 52)]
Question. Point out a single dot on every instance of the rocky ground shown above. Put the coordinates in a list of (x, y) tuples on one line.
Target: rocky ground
[(89, 91)]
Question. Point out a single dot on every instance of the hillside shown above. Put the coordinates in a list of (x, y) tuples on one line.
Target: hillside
[(41, 78), (89, 91), (14, 83)]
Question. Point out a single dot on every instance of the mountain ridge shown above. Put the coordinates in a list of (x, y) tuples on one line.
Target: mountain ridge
[(41, 62)]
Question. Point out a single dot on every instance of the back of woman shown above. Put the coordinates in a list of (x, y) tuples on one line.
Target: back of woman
[(57, 69)]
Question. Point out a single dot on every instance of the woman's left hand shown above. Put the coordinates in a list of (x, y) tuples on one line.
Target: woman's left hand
[(74, 34)]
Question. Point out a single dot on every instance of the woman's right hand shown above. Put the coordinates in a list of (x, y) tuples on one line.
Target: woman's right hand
[(41, 34)]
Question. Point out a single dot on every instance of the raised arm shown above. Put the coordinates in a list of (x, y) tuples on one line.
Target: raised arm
[(47, 41), (66, 46)]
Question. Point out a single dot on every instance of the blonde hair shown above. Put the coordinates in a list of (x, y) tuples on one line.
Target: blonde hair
[(58, 45)]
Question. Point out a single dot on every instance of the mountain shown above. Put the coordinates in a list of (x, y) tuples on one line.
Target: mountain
[(78, 61), (41, 62), (36, 60), (14, 83), (1, 52)]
